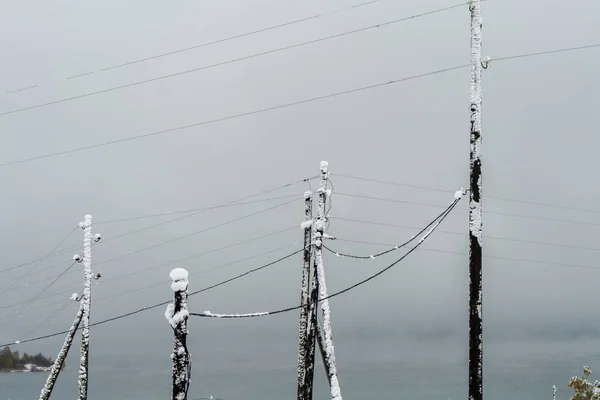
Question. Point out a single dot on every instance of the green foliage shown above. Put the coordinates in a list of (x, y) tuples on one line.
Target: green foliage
[(584, 389)]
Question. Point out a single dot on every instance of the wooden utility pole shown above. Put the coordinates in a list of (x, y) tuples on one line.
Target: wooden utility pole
[(304, 293), (60, 359), (86, 225), (475, 214), (177, 315), (320, 223), (312, 323)]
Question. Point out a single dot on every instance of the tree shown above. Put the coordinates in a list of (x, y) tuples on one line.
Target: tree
[(584, 389)]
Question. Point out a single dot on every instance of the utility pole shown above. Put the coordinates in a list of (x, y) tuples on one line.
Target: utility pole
[(304, 300), (312, 323), (86, 225), (60, 359), (329, 360), (177, 314), (475, 213)]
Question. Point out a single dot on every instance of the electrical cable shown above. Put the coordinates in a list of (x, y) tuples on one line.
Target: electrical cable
[(394, 248), (487, 212), (37, 296), (48, 319), (568, 246), (230, 203), (251, 56), (172, 52), (354, 177), (159, 304), (208, 314), (32, 269)]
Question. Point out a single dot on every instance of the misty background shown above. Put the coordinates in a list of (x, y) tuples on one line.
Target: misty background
[(405, 333)]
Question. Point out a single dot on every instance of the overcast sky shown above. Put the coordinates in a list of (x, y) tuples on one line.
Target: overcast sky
[(539, 144)]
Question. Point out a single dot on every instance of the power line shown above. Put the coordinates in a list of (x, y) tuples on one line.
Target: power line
[(349, 288), (390, 200), (464, 234), (48, 319), (230, 117), (154, 246), (394, 248), (235, 116), (32, 269), (185, 49), (230, 203), (255, 55), (447, 191), (37, 296), (197, 232), (68, 289), (557, 264), (162, 303), (541, 53)]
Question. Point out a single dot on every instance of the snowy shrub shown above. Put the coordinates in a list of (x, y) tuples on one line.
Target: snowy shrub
[(584, 389)]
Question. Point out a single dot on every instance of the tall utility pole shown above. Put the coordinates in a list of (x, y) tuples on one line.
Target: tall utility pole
[(86, 225), (319, 236), (475, 223), (177, 315), (304, 301)]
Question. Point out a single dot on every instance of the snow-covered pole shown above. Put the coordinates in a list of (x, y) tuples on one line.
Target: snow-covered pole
[(86, 225), (321, 342), (312, 323), (304, 303), (177, 315), (62, 355), (320, 223), (475, 223), (553, 392)]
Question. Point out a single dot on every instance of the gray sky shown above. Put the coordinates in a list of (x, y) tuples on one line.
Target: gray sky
[(539, 116)]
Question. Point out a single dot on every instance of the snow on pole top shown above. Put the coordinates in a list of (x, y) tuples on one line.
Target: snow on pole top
[(307, 194), (178, 274), (88, 216), (324, 165)]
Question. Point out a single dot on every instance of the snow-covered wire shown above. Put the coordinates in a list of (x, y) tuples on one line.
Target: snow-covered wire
[(508, 199), (392, 200), (231, 61), (36, 297), (239, 201), (39, 326), (194, 47), (197, 232), (397, 247), (216, 285), (32, 269), (208, 314)]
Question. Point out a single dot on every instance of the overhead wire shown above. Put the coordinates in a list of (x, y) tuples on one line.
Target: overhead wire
[(114, 295), (195, 212), (245, 114), (556, 264), (197, 46), (37, 296), (251, 56), (214, 286), (354, 177), (387, 224), (396, 247), (32, 269), (349, 288), (392, 200), (48, 319)]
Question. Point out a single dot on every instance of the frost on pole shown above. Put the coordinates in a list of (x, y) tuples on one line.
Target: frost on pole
[(177, 315), (329, 350), (303, 328), (85, 305), (62, 355), (475, 222)]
